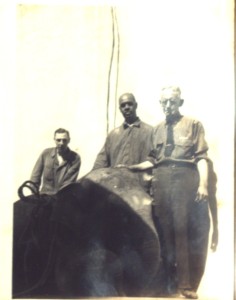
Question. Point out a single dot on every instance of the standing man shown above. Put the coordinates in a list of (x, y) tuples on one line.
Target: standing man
[(58, 166), (180, 190), (128, 144)]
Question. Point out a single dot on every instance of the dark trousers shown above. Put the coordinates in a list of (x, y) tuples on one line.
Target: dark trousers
[(182, 223)]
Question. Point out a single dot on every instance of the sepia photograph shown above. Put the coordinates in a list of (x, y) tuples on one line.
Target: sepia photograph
[(118, 124)]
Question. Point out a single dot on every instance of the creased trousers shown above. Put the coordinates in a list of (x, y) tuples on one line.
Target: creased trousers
[(182, 223)]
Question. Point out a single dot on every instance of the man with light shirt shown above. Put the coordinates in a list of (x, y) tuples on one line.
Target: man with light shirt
[(180, 189)]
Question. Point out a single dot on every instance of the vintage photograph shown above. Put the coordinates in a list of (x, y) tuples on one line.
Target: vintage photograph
[(119, 122)]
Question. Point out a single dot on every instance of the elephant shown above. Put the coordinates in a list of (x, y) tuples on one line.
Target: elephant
[(94, 238)]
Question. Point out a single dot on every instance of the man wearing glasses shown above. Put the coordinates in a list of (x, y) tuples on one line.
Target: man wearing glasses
[(56, 167), (180, 190)]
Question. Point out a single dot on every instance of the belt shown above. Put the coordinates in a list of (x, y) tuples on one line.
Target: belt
[(176, 164)]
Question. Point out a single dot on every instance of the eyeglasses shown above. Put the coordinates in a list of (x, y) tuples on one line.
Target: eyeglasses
[(61, 140), (171, 101)]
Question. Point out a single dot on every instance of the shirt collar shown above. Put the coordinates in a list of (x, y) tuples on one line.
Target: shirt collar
[(54, 152), (136, 123)]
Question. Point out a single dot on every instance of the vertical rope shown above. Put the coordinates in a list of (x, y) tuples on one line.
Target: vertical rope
[(109, 73), (117, 61)]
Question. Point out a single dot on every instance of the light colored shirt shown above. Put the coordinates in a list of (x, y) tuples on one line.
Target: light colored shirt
[(189, 142)]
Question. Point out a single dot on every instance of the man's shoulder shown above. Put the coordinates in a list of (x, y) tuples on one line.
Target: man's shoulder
[(190, 120), (121, 128), (160, 125), (75, 154), (47, 151), (183, 119), (146, 126), (116, 130)]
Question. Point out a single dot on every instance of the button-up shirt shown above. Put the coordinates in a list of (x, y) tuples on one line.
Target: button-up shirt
[(127, 145), (189, 142), (53, 175)]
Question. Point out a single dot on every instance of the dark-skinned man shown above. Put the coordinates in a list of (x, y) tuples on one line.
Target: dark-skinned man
[(129, 143)]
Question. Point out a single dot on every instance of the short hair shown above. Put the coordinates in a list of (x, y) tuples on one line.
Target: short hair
[(127, 95), (62, 130), (175, 89)]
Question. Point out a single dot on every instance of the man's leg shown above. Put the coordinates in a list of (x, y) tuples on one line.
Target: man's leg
[(198, 237)]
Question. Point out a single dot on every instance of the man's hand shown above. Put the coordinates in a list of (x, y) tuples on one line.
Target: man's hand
[(202, 194), (214, 240), (121, 166)]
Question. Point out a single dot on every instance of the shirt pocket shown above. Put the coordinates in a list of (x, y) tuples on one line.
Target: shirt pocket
[(184, 149), (157, 151), (48, 173)]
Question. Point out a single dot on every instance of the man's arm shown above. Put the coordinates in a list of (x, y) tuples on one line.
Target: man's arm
[(102, 160), (201, 158), (212, 181), (202, 192), (37, 172), (207, 190), (145, 165)]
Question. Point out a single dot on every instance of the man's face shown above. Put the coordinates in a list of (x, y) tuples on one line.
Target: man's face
[(128, 108), (62, 140), (170, 102)]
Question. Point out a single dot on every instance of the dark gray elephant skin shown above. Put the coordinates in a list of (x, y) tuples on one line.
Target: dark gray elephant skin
[(96, 238)]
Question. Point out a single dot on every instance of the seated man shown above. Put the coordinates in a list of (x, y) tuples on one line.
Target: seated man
[(56, 167)]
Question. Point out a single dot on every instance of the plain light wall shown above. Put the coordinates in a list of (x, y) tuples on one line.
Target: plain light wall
[(60, 56), (63, 56)]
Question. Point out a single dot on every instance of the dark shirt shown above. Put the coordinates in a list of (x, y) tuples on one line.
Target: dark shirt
[(189, 142), (127, 144), (52, 175)]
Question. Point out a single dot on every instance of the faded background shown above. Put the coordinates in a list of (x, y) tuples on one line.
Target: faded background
[(54, 72)]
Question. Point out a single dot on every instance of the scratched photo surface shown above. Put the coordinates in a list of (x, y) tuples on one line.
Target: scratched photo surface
[(65, 65)]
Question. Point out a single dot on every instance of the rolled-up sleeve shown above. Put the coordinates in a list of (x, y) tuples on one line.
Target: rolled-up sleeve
[(200, 144)]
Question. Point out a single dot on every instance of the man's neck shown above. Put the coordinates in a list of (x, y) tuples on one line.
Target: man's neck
[(63, 153), (130, 121), (173, 118)]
